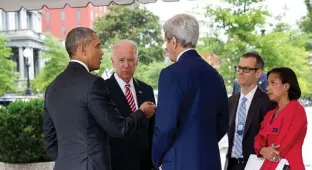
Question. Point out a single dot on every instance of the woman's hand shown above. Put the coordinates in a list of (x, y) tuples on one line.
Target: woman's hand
[(270, 153)]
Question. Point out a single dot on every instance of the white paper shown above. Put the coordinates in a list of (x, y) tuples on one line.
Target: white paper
[(255, 163)]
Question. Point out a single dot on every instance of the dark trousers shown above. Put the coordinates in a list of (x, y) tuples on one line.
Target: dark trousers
[(236, 164)]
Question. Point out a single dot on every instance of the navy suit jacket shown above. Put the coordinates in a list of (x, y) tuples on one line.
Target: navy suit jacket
[(192, 115)]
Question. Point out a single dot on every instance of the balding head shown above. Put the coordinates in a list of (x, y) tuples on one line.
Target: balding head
[(124, 59)]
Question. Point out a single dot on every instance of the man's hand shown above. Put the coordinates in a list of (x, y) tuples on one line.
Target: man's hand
[(270, 153), (148, 108)]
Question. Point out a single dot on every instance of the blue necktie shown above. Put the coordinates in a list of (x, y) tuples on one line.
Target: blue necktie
[(239, 133)]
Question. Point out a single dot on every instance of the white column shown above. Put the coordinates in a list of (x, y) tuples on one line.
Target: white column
[(31, 63), (23, 19), (11, 19), (21, 63), (1, 26)]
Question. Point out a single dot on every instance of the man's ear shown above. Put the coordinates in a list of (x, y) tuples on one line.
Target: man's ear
[(258, 73), (174, 42)]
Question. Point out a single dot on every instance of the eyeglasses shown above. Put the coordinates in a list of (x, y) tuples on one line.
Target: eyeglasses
[(245, 69)]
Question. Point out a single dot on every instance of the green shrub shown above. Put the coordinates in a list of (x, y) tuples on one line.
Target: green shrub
[(21, 132)]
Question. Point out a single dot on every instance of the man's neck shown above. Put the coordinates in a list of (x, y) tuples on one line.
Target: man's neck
[(180, 51), (246, 89)]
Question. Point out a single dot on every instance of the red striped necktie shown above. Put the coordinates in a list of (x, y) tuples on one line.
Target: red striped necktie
[(130, 98)]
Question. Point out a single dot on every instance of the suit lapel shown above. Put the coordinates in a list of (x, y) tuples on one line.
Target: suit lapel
[(252, 110), (233, 115), (118, 96), (138, 92)]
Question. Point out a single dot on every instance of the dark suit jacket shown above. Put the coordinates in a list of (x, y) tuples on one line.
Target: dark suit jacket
[(133, 152), (79, 117), (192, 115), (259, 106)]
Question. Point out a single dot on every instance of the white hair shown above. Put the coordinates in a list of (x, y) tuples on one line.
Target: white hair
[(119, 43), (184, 28)]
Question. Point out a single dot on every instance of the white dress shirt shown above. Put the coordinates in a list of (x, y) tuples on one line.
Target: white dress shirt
[(83, 64), (132, 89), (249, 96), (184, 52)]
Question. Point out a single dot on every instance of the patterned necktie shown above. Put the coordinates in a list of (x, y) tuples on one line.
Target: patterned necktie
[(129, 97), (239, 133)]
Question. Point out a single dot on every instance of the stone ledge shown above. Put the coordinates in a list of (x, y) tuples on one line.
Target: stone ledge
[(27, 166)]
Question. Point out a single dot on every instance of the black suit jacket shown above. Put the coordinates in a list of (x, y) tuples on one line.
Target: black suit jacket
[(133, 152), (79, 117), (259, 106)]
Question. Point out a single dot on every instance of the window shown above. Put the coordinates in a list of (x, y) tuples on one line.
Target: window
[(91, 15), (63, 29), (48, 29), (4, 20), (62, 15), (47, 15), (78, 15), (29, 21), (17, 20)]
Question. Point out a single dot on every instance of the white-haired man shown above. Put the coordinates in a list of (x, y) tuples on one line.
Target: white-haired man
[(192, 112)]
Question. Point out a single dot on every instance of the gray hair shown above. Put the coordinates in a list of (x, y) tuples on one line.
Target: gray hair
[(184, 28), (77, 36), (119, 43)]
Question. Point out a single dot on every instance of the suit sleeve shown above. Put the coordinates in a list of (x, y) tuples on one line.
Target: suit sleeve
[(223, 112), (297, 124), (259, 141), (169, 101), (152, 120), (106, 114), (151, 129), (49, 138)]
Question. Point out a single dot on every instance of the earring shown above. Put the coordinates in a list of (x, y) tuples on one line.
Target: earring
[(286, 94)]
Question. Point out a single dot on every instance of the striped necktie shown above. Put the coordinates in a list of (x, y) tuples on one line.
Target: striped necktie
[(239, 133), (129, 97)]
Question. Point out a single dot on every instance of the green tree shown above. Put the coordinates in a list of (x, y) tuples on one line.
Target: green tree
[(278, 48), (7, 75), (150, 73), (134, 23), (56, 60)]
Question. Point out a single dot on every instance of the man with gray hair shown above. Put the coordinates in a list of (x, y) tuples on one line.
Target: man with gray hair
[(128, 93), (192, 112), (79, 115)]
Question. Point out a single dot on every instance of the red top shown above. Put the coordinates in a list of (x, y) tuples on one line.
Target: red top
[(288, 130)]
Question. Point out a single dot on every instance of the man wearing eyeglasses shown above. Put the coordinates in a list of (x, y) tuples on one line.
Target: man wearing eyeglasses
[(262, 84), (247, 110)]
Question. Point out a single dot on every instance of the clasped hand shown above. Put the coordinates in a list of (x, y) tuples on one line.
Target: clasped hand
[(148, 108), (270, 153)]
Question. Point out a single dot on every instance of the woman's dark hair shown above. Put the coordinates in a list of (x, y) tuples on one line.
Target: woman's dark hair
[(287, 75)]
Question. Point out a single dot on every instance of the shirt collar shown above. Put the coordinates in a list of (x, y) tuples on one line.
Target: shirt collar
[(80, 62), (249, 95), (184, 52), (123, 83)]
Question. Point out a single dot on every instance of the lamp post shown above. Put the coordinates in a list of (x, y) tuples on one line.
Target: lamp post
[(27, 54)]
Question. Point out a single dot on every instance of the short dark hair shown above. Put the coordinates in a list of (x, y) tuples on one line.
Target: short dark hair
[(255, 54), (287, 75), (76, 37)]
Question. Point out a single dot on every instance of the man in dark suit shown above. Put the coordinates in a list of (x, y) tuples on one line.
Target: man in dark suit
[(247, 110), (192, 114), (79, 116), (133, 152)]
